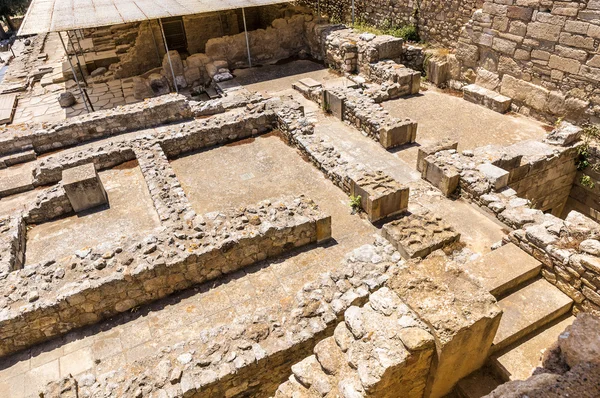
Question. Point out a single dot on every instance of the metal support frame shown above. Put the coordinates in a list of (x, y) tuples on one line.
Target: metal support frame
[(77, 58), (352, 12), (83, 96), (247, 38), (168, 55)]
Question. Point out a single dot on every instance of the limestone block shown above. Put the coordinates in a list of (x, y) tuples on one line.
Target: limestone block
[(398, 133), (495, 175), (381, 195), (463, 317), (437, 71), (564, 134), (323, 229), (418, 235), (425, 151), (443, 177), (334, 103), (84, 187), (488, 98)]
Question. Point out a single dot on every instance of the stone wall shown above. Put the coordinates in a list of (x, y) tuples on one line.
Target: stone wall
[(53, 297), (12, 244), (543, 55), (439, 21), (253, 355), (100, 124), (585, 197), (569, 249), (145, 54)]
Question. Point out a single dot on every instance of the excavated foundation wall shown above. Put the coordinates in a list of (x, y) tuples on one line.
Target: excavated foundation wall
[(542, 54), (439, 21)]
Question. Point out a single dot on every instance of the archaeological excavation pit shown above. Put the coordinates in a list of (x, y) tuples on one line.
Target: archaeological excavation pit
[(232, 200)]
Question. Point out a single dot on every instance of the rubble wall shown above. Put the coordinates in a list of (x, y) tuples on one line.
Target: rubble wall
[(439, 21), (543, 55), (150, 113), (145, 54), (53, 297), (253, 355)]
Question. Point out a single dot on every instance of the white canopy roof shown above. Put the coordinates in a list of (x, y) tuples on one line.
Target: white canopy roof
[(62, 15)]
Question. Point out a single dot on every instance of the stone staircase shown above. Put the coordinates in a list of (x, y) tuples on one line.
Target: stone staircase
[(535, 312)]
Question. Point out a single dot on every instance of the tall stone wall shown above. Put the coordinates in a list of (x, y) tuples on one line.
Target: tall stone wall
[(542, 54), (439, 21)]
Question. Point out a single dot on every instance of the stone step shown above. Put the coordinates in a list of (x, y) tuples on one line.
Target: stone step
[(478, 384), (503, 269), (529, 309), (518, 361), (488, 98)]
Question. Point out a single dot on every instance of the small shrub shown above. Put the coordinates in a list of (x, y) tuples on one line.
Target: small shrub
[(408, 33), (355, 203), (587, 182)]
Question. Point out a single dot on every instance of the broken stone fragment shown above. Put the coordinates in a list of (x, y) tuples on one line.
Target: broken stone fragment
[(66, 99)]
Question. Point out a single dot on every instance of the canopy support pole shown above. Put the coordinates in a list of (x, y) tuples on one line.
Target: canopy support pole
[(352, 12), (168, 55), (247, 38), (83, 96), (77, 58)]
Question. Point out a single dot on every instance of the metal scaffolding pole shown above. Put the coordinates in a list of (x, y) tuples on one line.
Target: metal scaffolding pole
[(83, 96), (77, 58), (247, 38), (168, 55), (352, 12)]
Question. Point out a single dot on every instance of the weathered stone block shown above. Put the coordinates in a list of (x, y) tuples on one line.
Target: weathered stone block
[(425, 151), (495, 175), (488, 98), (564, 134), (84, 187), (381, 195), (334, 103), (418, 235), (463, 317), (398, 133), (437, 71), (443, 177)]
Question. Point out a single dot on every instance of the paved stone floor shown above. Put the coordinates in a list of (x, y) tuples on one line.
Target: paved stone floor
[(441, 115), (130, 212)]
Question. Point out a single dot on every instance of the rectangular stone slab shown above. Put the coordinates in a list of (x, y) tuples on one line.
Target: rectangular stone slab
[(419, 235), (503, 269), (529, 309), (425, 151)]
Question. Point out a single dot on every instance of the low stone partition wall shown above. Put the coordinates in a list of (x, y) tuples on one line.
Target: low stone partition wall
[(50, 204), (12, 244), (220, 129), (253, 355), (45, 300), (174, 139), (349, 364), (462, 316), (104, 156), (150, 113), (381, 195), (362, 111)]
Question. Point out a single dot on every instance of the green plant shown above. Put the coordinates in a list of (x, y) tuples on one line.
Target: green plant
[(583, 152), (407, 32), (587, 182), (355, 203)]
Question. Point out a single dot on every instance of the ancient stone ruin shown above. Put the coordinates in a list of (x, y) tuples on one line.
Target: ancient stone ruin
[(301, 199)]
